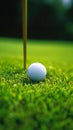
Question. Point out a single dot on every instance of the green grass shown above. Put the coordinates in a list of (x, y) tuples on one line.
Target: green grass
[(26, 105)]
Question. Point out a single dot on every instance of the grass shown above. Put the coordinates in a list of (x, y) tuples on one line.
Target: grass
[(26, 105)]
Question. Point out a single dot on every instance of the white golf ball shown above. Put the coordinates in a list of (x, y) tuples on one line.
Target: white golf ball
[(36, 72)]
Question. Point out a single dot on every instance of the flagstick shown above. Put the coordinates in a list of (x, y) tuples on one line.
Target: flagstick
[(24, 15)]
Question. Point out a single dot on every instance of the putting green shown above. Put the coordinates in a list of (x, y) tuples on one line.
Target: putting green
[(25, 105), (37, 51)]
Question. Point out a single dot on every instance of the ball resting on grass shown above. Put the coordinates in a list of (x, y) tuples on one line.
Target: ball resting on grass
[(36, 72)]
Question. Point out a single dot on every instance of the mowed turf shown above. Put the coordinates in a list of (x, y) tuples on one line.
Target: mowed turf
[(27, 105)]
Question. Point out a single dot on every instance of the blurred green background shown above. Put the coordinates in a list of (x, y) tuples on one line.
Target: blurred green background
[(47, 19)]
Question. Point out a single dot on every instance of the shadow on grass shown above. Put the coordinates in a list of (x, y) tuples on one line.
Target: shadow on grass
[(28, 81)]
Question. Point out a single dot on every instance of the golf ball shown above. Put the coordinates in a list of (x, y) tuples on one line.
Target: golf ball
[(36, 72)]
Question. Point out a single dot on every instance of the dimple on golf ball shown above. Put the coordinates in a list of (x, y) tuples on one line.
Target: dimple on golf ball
[(36, 72)]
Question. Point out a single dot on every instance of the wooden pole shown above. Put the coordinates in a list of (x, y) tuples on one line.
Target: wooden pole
[(24, 19)]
